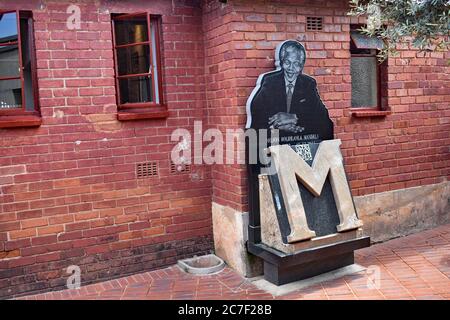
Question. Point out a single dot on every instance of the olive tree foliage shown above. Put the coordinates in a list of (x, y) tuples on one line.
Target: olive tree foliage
[(426, 23)]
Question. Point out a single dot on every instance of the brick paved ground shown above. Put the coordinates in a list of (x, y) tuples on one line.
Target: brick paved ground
[(413, 267)]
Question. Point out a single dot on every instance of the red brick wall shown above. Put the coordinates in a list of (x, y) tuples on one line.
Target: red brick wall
[(68, 189), (408, 148), (69, 192), (224, 102)]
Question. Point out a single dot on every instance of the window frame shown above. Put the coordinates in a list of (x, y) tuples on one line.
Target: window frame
[(20, 14), (141, 110), (380, 109)]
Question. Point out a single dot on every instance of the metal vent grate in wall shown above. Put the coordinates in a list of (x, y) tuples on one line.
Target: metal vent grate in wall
[(179, 168), (147, 169), (314, 23)]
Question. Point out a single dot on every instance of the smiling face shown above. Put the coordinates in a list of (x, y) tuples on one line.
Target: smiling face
[(292, 64)]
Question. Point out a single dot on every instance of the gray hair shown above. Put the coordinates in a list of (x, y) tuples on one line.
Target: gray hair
[(292, 46)]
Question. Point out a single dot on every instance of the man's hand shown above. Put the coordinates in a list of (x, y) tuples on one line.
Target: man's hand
[(282, 119), (292, 128)]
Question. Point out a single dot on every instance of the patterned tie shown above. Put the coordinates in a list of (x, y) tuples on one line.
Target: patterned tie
[(289, 96)]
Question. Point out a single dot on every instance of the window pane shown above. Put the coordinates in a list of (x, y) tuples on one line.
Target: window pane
[(25, 38), (153, 31), (133, 60), (8, 27), (364, 81), (9, 61), (363, 41), (135, 89), (10, 94), (131, 31)]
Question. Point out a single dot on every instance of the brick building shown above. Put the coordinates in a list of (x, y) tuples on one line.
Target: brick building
[(86, 177)]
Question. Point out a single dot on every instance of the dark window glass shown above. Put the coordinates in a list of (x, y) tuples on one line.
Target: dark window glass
[(9, 61), (135, 89), (10, 94), (133, 60), (131, 31), (27, 63)]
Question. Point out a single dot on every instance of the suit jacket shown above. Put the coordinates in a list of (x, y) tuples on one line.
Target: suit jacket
[(306, 103)]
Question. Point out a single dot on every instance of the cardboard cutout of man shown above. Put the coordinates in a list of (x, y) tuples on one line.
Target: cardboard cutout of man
[(288, 100)]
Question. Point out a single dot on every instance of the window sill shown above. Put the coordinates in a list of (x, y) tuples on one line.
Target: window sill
[(140, 114), (20, 121), (369, 113)]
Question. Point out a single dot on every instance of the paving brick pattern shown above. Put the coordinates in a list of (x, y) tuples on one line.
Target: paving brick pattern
[(412, 267)]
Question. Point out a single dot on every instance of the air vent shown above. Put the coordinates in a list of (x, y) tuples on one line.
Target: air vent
[(314, 23), (147, 169), (179, 168)]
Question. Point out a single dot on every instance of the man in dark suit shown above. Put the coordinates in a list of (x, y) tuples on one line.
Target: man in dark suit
[(288, 100)]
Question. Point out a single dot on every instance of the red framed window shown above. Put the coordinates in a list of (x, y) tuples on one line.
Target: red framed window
[(18, 82), (137, 56), (369, 77)]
